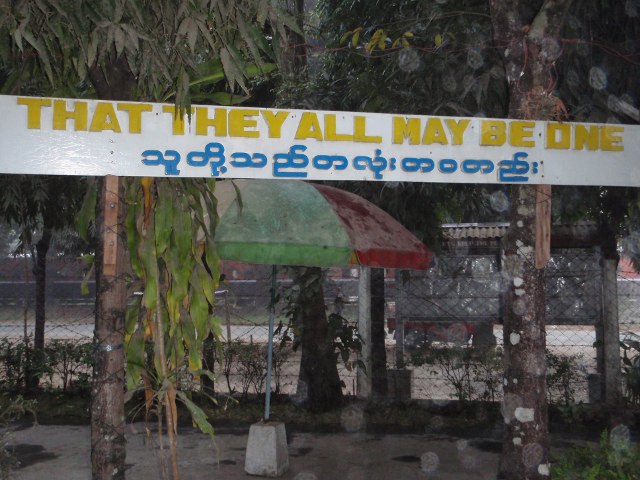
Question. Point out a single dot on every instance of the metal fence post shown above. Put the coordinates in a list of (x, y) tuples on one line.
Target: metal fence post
[(364, 330), (611, 332)]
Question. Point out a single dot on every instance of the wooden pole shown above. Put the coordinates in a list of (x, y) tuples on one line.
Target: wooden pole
[(107, 407), (543, 225), (227, 315), (364, 386), (611, 333)]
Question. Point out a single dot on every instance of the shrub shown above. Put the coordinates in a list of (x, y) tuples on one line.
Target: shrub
[(70, 364), (19, 362), (563, 374), (615, 458), (11, 408), (471, 373), (631, 366), (64, 364), (249, 361)]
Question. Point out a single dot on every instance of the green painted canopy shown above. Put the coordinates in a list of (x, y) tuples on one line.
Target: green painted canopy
[(292, 222)]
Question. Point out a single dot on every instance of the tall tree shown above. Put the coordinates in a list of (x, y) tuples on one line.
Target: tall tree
[(527, 35), (416, 47), (598, 83), (142, 50), (319, 386), (37, 207)]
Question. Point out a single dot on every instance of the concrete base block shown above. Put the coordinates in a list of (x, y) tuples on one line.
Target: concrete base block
[(267, 454)]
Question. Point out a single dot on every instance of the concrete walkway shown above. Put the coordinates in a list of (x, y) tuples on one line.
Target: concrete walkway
[(63, 452)]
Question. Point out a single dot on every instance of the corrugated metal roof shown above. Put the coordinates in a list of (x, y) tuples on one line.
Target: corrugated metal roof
[(566, 235), (454, 231)]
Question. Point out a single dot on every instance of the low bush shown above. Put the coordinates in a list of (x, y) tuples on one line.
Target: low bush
[(64, 365), (615, 458)]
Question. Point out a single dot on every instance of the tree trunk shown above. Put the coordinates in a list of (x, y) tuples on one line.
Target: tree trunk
[(525, 451), (40, 276), (526, 32), (608, 336), (294, 59), (107, 396), (108, 450), (209, 364), (319, 383), (379, 386)]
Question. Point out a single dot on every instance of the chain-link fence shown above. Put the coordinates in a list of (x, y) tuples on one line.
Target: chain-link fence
[(243, 311), (459, 304), (65, 363), (69, 303), (628, 295), (443, 325)]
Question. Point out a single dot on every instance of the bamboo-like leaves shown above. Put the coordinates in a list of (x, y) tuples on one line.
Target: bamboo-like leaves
[(170, 228), (159, 39), (197, 414)]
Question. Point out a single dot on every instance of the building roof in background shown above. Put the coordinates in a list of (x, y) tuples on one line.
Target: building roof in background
[(578, 235)]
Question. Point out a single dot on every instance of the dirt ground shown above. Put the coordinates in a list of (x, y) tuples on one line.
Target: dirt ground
[(63, 452)]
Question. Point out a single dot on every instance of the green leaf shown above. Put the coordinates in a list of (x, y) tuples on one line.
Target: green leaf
[(164, 216), (118, 11), (87, 212), (206, 373), (209, 73), (192, 35), (198, 308), (197, 414), (119, 39), (42, 55), (135, 358), (132, 317), (243, 28), (207, 35), (133, 236), (92, 50), (225, 98), (377, 37), (88, 259), (84, 284), (263, 12), (259, 38), (133, 39), (137, 12), (231, 71), (17, 36), (286, 20), (356, 37), (205, 282), (182, 234), (149, 260)]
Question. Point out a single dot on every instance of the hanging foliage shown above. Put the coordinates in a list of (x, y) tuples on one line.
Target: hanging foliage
[(170, 227)]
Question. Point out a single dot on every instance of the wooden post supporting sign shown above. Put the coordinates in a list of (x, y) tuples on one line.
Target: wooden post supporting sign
[(543, 225)]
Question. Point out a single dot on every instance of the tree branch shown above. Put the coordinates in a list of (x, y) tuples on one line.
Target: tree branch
[(548, 21)]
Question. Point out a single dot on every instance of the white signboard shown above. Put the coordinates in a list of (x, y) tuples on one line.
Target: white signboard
[(82, 137)]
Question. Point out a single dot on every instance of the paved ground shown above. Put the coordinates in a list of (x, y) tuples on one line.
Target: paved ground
[(63, 452)]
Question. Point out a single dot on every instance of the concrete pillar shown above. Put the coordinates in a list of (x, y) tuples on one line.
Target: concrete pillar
[(399, 332), (611, 333), (267, 454), (364, 330)]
